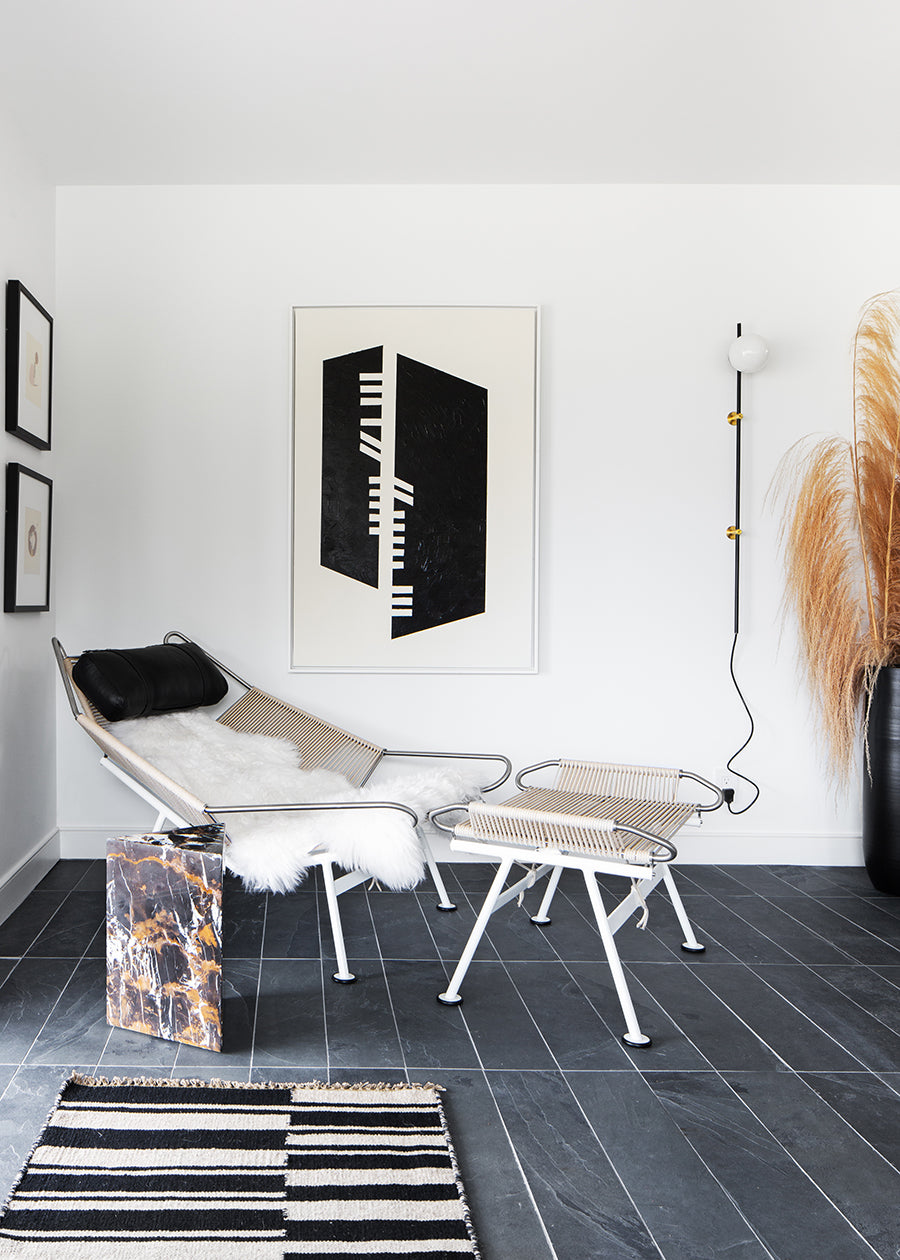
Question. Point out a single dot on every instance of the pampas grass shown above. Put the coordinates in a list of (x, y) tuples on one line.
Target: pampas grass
[(841, 539)]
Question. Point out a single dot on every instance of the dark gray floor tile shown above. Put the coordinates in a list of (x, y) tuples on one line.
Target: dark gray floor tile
[(22, 928), (579, 1196), (432, 1035), (576, 1034), (473, 877), (372, 1076), (573, 933), (240, 980), (243, 917), (289, 1076), (854, 879), (64, 876), (451, 931), (506, 1221), (499, 1022), (861, 945), (869, 1105), (78, 1019), (356, 921), (713, 879), (670, 1048), (865, 1038), (6, 968), (813, 880), (795, 938), (73, 928), (230, 1075), (873, 916), (756, 879), (775, 1020), (727, 936), (135, 1054), (292, 926), (361, 1027), (26, 999), (94, 878), (869, 989), (290, 1019), (26, 1105), (515, 937), (860, 1184), (402, 924), (716, 1032), (790, 1216), (679, 1198)]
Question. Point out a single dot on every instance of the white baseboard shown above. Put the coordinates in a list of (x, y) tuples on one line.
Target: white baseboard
[(28, 874), (695, 845)]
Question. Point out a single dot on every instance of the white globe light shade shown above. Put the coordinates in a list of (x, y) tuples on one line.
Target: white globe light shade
[(748, 353)]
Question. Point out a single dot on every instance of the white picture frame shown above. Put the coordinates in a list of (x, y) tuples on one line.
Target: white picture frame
[(414, 488)]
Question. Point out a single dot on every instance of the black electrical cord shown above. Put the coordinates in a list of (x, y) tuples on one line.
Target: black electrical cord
[(734, 533)]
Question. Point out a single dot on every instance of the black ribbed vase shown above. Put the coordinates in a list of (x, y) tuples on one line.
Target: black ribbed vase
[(881, 784)]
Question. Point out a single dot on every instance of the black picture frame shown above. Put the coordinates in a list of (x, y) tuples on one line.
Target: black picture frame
[(29, 366), (29, 512)]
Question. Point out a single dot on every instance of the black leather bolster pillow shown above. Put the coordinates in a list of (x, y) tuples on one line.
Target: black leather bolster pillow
[(140, 682)]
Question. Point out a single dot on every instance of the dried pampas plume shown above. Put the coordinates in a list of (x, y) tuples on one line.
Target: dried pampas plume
[(841, 539)]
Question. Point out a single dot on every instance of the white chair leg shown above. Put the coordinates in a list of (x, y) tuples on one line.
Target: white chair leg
[(444, 902), (451, 996), (343, 975), (690, 944), (633, 1037), (542, 917)]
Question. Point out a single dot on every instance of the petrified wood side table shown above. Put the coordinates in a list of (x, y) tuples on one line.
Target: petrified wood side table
[(164, 935)]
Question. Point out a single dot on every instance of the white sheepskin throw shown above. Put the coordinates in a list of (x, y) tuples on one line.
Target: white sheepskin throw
[(272, 850)]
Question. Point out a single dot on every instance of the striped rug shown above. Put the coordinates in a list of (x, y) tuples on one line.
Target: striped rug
[(168, 1170)]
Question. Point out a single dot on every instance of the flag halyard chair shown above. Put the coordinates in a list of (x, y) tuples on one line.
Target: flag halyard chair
[(320, 745), (598, 818)]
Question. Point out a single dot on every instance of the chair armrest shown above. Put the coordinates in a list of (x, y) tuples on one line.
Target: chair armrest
[(541, 765), (717, 791), (289, 806), (435, 814), (460, 756)]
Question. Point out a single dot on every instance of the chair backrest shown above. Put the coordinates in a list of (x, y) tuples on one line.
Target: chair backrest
[(321, 745), (602, 778)]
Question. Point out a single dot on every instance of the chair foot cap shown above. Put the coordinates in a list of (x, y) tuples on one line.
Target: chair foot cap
[(541, 921), (693, 949), (636, 1043), (339, 979), (449, 1001), (446, 908)]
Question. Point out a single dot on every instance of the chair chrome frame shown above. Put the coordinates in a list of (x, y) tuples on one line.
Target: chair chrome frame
[(584, 822), (320, 744)]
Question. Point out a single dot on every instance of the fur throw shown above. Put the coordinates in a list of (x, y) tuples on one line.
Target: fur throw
[(271, 850)]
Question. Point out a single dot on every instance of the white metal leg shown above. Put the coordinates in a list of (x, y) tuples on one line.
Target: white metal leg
[(451, 996), (634, 1036), (690, 944), (543, 916), (444, 902), (343, 975)]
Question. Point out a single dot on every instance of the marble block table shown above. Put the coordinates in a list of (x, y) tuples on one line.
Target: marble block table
[(164, 935)]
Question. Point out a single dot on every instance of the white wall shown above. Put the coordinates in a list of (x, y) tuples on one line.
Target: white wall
[(174, 383), (27, 685)]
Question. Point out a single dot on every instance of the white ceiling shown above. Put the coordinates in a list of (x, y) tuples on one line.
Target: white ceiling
[(448, 91)]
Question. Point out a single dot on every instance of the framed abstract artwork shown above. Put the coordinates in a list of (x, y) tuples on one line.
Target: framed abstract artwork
[(26, 577), (29, 366), (414, 489)]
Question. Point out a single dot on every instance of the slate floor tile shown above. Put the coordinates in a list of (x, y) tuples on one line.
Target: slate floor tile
[(290, 1017), (402, 924), (362, 1031), (27, 998), (788, 1213), (582, 1201), (575, 1033), (862, 945), (776, 1021), (499, 1022), (19, 932), (727, 936), (431, 1035), (802, 943), (292, 927), (860, 1184), (869, 1105), (679, 1198), (74, 929)]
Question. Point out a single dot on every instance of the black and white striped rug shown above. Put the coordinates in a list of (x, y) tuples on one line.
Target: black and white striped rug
[(166, 1170)]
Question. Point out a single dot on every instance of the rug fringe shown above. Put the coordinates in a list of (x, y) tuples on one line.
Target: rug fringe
[(460, 1188), (78, 1078)]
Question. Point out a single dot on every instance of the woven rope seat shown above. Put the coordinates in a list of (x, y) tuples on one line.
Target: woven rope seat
[(597, 817)]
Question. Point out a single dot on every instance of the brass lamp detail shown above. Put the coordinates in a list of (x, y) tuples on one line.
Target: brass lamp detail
[(732, 532)]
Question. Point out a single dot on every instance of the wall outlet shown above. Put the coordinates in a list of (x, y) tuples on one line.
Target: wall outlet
[(727, 782)]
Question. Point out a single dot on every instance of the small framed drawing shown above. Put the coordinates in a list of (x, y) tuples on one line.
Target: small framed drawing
[(29, 366), (29, 498)]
